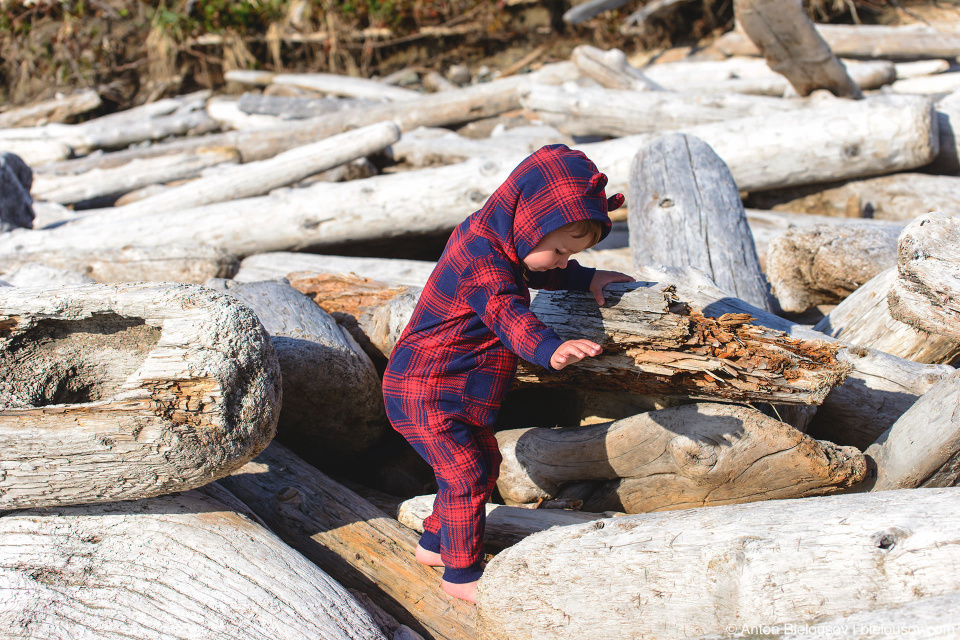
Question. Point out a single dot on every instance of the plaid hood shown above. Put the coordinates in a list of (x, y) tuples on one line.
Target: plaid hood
[(554, 186)]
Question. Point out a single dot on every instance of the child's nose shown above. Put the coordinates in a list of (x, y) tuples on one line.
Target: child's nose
[(562, 262)]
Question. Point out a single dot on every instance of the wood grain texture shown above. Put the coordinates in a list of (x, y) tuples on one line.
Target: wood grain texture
[(119, 392), (694, 572), (189, 565)]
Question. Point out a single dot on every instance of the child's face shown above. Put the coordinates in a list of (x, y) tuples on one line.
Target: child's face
[(554, 249)]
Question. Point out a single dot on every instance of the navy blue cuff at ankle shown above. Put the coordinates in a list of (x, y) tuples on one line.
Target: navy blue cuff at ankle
[(430, 542), (462, 576)]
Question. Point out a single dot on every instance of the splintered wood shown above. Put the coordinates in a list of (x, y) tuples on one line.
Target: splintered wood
[(654, 344)]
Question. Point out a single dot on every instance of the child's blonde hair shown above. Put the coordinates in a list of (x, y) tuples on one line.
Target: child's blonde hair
[(583, 228)]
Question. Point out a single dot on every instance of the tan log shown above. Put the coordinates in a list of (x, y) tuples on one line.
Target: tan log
[(864, 319), (611, 69), (121, 392), (332, 400), (505, 525), (683, 574), (867, 41), (694, 455), (897, 197), (191, 565), (786, 37), (824, 264), (919, 68), (348, 537), (193, 264), (922, 448), (926, 293), (57, 109)]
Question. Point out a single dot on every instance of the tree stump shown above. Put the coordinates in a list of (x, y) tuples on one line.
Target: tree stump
[(115, 392), (685, 210)]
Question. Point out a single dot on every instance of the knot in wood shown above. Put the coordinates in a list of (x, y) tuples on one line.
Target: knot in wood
[(889, 538), (694, 457), (289, 495)]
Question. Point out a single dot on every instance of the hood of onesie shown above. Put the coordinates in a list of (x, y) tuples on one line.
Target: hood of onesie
[(552, 187)]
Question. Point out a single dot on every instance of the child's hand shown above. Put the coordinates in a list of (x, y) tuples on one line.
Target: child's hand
[(602, 279), (573, 351)]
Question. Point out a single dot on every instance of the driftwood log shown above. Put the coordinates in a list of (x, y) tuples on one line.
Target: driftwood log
[(192, 565), (922, 448), (926, 293), (57, 109), (193, 264), (16, 203), (864, 319), (900, 197), (351, 539), (683, 574), (610, 69), (678, 183), (114, 392), (332, 401), (786, 37), (35, 274), (824, 264), (695, 455), (430, 146), (268, 266), (330, 83)]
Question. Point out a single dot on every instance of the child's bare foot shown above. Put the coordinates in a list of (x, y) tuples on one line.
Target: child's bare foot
[(466, 591), (429, 558)]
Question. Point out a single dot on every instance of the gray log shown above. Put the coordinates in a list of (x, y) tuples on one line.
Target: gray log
[(332, 400), (685, 210), (682, 574), (16, 205), (58, 109), (586, 10), (289, 108), (121, 392), (788, 40)]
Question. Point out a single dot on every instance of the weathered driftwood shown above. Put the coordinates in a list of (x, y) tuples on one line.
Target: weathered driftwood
[(922, 448), (115, 392), (864, 319), (332, 83), (877, 390), (683, 574), (41, 276), (919, 68), (694, 455), (505, 526), (824, 264), (901, 196), (947, 161), (866, 41), (586, 10), (427, 147), (933, 618), (348, 537), (188, 565), (292, 108), (332, 401), (786, 37), (16, 204), (136, 174), (56, 109), (636, 23), (939, 83), (269, 266), (926, 293), (226, 111), (611, 69), (387, 623), (679, 183), (194, 264), (886, 133), (436, 82), (36, 152)]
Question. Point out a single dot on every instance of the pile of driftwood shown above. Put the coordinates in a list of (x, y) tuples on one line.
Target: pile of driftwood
[(173, 305)]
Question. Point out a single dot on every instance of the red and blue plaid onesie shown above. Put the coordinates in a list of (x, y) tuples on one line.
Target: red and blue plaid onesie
[(458, 354)]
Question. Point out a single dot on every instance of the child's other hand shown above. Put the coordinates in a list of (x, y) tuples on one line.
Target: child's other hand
[(573, 351), (602, 279)]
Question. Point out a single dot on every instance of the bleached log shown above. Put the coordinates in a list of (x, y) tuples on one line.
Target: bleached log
[(436, 82), (332, 400), (121, 392), (677, 458), (607, 259), (426, 147), (190, 565), (611, 69), (193, 264), (907, 42), (348, 537), (786, 37), (940, 83), (134, 175), (269, 266), (636, 23), (887, 133), (864, 319), (294, 108), (927, 289), (387, 623), (226, 111), (619, 578), (36, 152), (919, 68), (505, 526), (341, 85), (899, 197), (40, 276), (678, 183), (57, 109), (922, 448), (932, 618), (824, 264), (585, 10)]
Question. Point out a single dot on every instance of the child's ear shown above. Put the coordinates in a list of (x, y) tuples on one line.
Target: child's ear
[(615, 201)]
